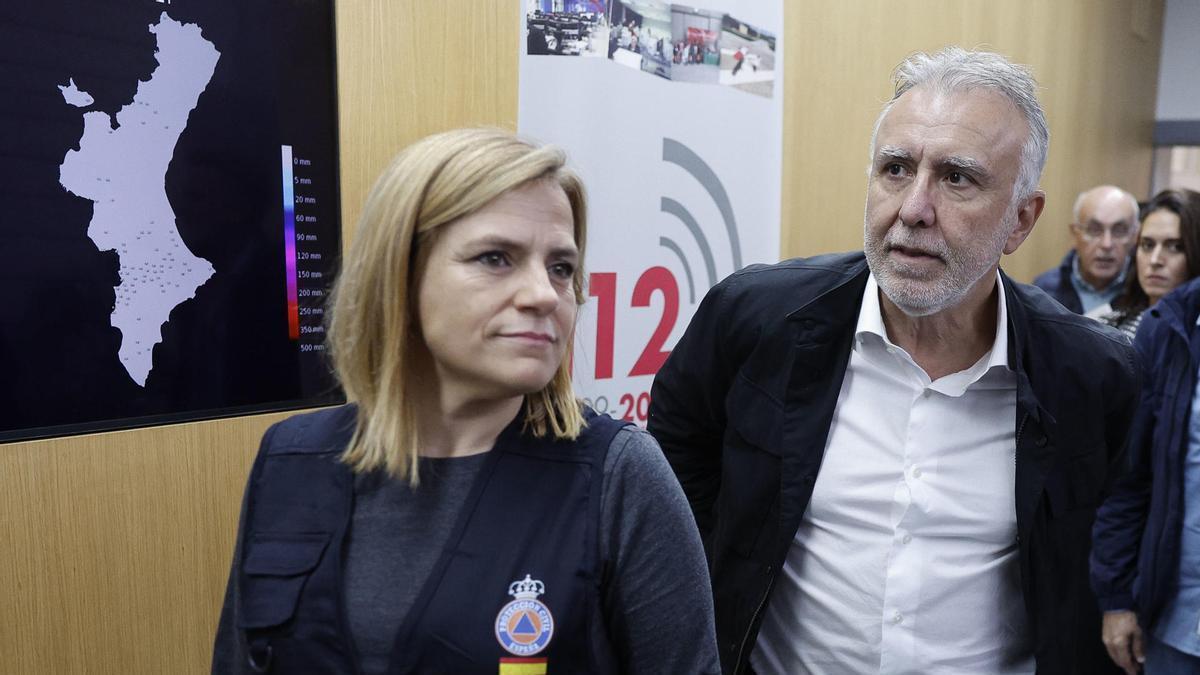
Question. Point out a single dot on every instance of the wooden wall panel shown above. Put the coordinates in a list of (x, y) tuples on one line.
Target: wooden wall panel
[(114, 547), (410, 69)]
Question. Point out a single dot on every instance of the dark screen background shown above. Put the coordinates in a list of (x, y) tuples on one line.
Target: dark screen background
[(226, 350)]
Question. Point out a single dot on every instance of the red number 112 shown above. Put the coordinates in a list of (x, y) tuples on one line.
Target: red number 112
[(603, 287)]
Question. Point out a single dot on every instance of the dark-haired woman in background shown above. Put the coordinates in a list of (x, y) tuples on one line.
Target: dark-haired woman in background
[(1167, 254)]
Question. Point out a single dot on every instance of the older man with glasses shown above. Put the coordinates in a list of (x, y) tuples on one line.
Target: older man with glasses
[(1093, 273)]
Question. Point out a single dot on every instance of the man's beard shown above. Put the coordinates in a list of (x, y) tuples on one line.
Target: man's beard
[(919, 292)]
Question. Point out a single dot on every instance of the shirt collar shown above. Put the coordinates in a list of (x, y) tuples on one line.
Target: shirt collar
[(870, 321)]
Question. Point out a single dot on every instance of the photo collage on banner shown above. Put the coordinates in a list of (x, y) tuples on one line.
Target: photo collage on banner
[(682, 167), (675, 42)]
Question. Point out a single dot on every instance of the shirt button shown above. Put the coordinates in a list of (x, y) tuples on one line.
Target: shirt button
[(897, 617), (907, 538), (916, 472), (891, 350), (926, 394)]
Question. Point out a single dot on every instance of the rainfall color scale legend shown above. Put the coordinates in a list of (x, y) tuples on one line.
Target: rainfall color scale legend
[(289, 242)]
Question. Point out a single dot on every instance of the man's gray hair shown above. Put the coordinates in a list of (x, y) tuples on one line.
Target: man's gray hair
[(955, 69)]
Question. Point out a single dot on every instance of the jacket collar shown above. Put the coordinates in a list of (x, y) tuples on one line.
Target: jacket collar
[(1067, 265), (837, 306), (837, 303), (1018, 350)]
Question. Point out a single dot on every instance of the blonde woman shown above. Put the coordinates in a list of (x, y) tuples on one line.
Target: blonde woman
[(465, 514)]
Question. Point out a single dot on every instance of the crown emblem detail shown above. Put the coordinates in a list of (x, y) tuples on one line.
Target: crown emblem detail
[(526, 589)]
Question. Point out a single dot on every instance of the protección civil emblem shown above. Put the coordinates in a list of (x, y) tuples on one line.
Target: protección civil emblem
[(524, 626)]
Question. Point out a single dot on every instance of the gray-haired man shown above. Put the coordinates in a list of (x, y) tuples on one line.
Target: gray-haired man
[(894, 456)]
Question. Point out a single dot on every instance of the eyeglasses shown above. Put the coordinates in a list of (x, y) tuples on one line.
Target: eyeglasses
[(1095, 231)]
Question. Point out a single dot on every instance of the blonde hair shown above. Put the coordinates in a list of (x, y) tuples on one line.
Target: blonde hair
[(373, 335)]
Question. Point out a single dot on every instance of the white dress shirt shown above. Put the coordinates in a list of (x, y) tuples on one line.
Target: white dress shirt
[(906, 558)]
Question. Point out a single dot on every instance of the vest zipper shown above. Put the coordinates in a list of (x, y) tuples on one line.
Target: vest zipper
[(739, 665)]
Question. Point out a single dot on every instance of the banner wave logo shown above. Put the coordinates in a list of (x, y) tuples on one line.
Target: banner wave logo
[(675, 152)]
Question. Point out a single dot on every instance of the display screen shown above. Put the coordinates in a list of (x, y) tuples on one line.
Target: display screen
[(169, 216)]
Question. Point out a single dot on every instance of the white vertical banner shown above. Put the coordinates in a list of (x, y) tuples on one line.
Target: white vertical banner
[(673, 116)]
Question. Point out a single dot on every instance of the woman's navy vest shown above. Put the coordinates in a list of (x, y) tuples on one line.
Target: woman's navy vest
[(518, 582)]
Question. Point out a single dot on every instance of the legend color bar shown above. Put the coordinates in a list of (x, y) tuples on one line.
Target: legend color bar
[(289, 243)]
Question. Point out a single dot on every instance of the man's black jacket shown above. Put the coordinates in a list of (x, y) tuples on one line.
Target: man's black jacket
[(743, 406)]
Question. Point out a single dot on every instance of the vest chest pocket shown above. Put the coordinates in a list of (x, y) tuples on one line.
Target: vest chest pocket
[(275, 568)]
